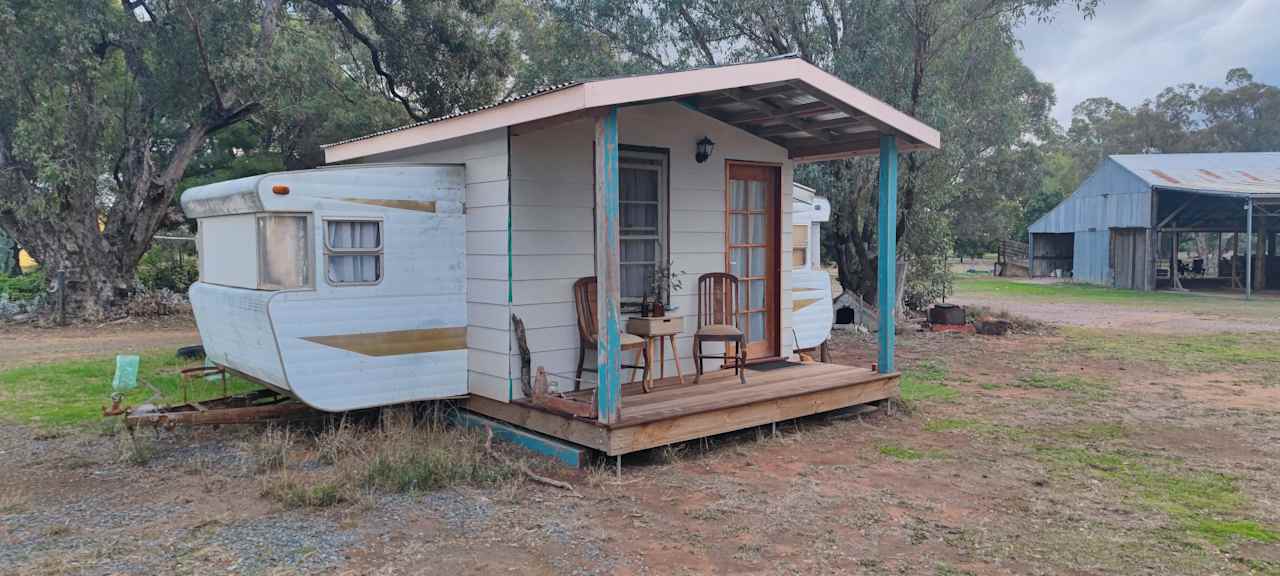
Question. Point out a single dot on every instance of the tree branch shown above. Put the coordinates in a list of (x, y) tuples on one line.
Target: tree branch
[(699, 37), (375, 55), (204, 57)]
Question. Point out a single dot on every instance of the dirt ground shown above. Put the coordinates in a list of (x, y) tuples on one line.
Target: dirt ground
[(22, 344), (1022, 456)]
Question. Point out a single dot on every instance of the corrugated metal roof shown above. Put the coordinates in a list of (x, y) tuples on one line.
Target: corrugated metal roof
[(541, 91), (515, 98), (1255, 174)]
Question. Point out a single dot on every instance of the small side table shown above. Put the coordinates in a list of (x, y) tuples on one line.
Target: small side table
[(657, 329)]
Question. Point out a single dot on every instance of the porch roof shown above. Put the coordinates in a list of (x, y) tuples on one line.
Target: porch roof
[(785, 100)]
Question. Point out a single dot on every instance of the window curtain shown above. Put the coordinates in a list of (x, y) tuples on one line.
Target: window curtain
[(639, 210), (354, 268)]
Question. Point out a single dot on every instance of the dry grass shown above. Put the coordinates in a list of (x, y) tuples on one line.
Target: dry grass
[(15, 500), (404, 451)]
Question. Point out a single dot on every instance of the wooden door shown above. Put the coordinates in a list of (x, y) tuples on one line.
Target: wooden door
[(753, 252)]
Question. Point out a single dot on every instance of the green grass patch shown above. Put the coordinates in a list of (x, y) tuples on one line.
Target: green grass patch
[(924, 381), (1191, 352), (1075, 384), (949, 424), (1013, 289), (977, 427), (910, 454), (1221, 532), (74, 392), (971, 284), (1202, 503)]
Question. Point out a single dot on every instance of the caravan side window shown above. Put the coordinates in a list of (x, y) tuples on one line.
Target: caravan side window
[(353, 251), (283, 252)]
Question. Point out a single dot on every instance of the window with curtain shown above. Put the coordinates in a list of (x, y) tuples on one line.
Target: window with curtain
[(353, 251), (642, 211)]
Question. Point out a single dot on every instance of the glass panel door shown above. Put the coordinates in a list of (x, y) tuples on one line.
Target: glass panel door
[(752, 253)]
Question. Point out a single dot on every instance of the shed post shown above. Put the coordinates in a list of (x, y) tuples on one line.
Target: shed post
[(1248, 250), (888, 242), (608, 271)]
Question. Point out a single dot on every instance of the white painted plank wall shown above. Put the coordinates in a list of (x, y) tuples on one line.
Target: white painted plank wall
[(552, 236), (488, 324)]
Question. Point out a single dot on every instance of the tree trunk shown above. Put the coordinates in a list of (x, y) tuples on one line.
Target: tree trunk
[(99, 276)]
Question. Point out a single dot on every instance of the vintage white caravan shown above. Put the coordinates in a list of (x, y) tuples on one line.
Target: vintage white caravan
[(344, 287), (812, 314), (393, 275)]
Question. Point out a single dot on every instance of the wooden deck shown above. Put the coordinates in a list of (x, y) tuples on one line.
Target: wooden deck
[(719, 403)]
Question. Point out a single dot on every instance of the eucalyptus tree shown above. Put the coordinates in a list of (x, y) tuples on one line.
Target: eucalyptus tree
[(951, 63), (106, 106)]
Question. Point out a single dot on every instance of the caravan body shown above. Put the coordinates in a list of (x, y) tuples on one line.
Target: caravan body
[(344, 287), (811, 315)]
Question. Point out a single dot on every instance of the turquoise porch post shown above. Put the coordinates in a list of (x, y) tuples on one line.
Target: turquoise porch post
[(608, 271), (887, 260)]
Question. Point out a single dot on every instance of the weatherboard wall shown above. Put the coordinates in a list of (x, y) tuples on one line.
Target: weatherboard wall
[(485, 156), (552, 238)]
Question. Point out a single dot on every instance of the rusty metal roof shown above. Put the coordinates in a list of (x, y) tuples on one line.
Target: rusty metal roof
[(785, 100), (1247, 174)]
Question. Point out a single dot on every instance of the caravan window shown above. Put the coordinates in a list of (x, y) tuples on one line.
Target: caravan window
[(642, 210), (353, 251), (284, 260)]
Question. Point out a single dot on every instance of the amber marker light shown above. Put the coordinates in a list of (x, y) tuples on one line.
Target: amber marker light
[(280, 189)]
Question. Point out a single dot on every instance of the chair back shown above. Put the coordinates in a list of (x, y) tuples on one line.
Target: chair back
[(584, 300), (717, 299)]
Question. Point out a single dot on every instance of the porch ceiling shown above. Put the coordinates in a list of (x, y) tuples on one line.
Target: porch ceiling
[(806, 121)]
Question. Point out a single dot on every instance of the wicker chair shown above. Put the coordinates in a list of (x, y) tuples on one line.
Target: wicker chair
[(584, 300), (718, 321)]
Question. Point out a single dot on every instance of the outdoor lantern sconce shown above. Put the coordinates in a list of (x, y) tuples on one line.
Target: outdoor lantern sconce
[(705, 146)]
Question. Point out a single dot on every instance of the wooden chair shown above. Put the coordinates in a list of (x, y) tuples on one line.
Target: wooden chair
[(718, 321), (584, 300)]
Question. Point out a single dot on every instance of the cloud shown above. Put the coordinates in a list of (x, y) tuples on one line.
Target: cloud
[(1133, 49)]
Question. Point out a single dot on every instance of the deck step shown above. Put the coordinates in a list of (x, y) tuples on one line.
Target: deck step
[(568, 453)]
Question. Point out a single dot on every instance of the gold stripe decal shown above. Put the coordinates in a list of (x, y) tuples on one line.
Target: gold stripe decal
[(415, 205), (397, 342), (798, 304)]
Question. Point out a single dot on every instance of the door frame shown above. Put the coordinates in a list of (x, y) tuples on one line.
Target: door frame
[(773, 299)]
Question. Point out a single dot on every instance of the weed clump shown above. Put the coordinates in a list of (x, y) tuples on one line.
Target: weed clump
[(404, 451), (1018, 323)]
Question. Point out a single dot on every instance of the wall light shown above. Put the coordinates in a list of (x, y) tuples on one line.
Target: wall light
[(705, 147)]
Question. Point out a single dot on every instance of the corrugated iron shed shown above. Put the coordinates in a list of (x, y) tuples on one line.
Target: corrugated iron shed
[(1248, 174)]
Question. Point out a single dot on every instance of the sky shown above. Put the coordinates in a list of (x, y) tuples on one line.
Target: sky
[(1133, 49)]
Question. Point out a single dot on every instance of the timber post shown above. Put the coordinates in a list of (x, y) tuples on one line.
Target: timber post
[(608, 270), (1248, 250), (887, 266)]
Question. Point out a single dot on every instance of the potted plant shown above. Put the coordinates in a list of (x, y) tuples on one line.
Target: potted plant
[(657, 296)]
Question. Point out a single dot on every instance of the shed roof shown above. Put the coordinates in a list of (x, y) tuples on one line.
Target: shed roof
[(1245, 174), (785, 100)]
